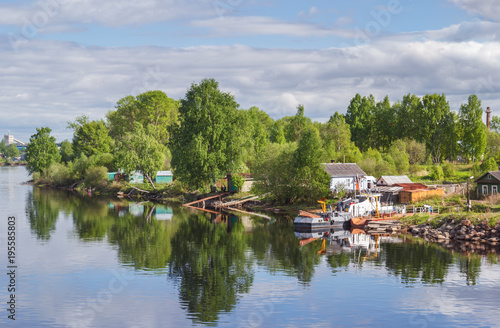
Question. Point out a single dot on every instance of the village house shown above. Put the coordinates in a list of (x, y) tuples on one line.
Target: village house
[(349, 176), (488, 183)]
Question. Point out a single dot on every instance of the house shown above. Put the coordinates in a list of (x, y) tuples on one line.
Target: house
[(391, 180), (488, 183), (164, 177), (348, 175)]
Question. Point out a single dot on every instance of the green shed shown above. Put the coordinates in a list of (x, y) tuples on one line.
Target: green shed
[(163, 177), (111, 176), (488, 183)]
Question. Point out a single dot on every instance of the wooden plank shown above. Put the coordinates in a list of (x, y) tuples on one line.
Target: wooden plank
[(204, 199), (202, 209), (239, 201), (250, 213)]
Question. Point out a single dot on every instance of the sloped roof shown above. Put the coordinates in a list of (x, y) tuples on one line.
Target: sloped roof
[(343, 170), (495, 174), (411, 186), (395, 179), (383, 189)]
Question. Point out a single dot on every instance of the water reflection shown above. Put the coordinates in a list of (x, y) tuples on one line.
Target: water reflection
[(411, 259), (214, 258), (211, 265)]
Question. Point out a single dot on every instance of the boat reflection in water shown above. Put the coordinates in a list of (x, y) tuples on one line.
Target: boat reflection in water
[(337, 240)]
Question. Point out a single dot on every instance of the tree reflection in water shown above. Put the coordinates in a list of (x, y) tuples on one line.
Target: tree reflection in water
[(211, 265)]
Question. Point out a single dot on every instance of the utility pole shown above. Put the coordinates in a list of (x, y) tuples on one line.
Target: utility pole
[(468, 194)]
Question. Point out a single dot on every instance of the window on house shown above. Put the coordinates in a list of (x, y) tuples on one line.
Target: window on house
[(494, 189), (485, 190)]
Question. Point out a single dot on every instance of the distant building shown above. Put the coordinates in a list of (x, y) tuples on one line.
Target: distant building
[(9, 139), (348, 175), (391, 180)]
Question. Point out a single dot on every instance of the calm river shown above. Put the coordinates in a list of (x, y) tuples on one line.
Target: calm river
[(89, 262)]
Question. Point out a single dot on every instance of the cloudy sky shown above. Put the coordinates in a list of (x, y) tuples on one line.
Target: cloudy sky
[(64, 58)]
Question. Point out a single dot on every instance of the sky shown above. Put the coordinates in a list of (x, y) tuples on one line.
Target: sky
[(60, 59)]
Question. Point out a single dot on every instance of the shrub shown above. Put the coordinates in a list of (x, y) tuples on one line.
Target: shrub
[(177, 188), (448, 170), (237, 181), (437, 173), (96, 176), (58, 174), (488, 165)]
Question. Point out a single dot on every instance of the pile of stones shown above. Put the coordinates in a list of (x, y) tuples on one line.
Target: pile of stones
[(458, 231)]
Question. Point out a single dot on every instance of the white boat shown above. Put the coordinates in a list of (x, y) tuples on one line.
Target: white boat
[(361, 206)]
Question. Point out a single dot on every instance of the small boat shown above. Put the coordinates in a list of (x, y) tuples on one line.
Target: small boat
[(355, 211)]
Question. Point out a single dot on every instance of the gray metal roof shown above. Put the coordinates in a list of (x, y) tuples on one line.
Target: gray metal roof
[(343, 170), (394, 179), (383, 189)]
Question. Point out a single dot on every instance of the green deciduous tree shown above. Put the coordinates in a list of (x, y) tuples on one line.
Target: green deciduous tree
[(66, 151), (141, 150), (359, 116), (472, 129), (435, 123), (153, 108), (205, 145), (41, 151), (90, 137), (12, 151)]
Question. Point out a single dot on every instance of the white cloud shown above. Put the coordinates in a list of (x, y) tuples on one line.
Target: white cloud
[(489, 9), (47, 83), (104, 12), (260, 25)]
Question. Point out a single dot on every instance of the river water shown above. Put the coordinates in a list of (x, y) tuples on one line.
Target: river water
[(90, 262)]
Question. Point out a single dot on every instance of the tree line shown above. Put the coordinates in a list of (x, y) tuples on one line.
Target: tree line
[(206, 135)]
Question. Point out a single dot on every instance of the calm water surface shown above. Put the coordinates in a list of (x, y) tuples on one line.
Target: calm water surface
[(87, 262)]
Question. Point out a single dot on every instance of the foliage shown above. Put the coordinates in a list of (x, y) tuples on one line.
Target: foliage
[(415, 150), (12, 151), (90, 137), (400, 156), (292, 173), (437, 172), (66, 151), (237, 181), (205, 145), (448, 170), (3, 147), (436, 122), (153, 108), (359, 116), (141, 150), (296, 124), (58, 174), (489, 165), (96, 176), (41, 151), (493, 145), (472, 129)]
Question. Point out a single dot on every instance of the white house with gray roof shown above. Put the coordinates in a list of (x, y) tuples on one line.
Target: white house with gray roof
[(347, 175)]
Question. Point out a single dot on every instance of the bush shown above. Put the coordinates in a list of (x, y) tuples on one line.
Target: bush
[(96, 176), (237, 181), (58, 174), (178, 188), (489, 165), (437, 173), (448, 170)]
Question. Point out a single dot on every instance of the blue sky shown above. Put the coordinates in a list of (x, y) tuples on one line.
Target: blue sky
[(65, 58)]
